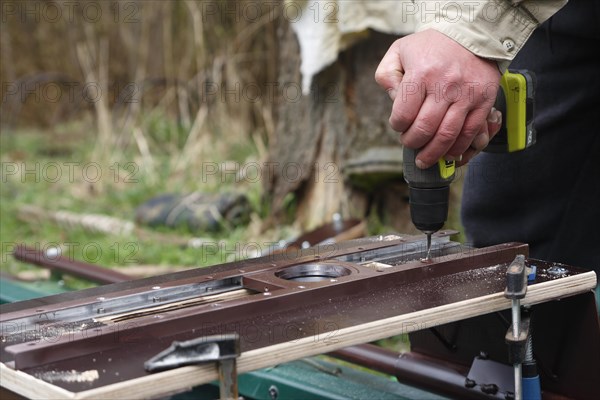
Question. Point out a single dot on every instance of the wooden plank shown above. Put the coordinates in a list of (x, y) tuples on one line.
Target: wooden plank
[(31, 387), (163, 383)]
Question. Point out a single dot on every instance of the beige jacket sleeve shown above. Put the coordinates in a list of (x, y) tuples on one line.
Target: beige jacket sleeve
[(493, 29)]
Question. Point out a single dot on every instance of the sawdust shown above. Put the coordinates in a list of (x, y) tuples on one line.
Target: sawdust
[(69, 376)]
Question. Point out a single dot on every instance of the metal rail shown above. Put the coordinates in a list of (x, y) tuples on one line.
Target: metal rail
[(296, 309), (69, 266)]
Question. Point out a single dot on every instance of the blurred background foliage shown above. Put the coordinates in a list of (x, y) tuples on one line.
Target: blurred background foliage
[(180, 56), (150, 92)]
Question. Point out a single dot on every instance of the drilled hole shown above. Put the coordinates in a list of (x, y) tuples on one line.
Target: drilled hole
[(313, 272)]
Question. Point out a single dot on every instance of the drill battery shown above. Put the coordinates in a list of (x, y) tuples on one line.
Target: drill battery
[(515, 101)]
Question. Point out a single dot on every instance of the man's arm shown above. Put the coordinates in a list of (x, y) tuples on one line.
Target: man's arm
[(444, 78), (491, 29)]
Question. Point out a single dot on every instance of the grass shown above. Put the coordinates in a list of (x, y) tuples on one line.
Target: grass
[(56, 171)]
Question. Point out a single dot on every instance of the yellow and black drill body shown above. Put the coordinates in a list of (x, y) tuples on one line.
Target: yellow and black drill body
[(429, 189)]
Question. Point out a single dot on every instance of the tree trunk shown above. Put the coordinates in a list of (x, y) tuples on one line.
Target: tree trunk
[(334, 149)]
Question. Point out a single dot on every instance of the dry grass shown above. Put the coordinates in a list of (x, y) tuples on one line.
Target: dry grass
[(185, 66), (173, 105)]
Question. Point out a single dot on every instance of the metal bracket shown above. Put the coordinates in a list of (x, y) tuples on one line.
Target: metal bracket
[(224, 349)]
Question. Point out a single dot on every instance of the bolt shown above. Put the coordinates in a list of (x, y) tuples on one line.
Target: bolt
[(491, 388), (470, 383), (529, 348)]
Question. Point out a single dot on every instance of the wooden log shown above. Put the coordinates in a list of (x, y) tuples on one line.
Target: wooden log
[(334, 147)]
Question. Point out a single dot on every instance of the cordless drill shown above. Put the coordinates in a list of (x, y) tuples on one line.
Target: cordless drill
[(429, 189), (428, 193)]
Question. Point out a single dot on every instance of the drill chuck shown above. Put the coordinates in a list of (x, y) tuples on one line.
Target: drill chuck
[(429, 207), (429, 191)]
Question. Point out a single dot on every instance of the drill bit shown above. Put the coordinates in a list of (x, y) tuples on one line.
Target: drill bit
[(428, 254)]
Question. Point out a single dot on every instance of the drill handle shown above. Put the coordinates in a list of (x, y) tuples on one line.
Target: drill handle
[(436, 176)]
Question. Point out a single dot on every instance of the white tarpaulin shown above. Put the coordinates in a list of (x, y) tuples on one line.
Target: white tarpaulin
[(326, 27)]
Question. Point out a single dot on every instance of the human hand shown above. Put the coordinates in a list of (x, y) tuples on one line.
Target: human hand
[(442, 96), (490, 129)]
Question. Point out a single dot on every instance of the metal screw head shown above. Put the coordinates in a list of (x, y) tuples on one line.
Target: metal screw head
[(557, 270), (53, 252), (273, 392)]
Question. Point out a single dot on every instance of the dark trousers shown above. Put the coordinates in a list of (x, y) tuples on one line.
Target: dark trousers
[(549, 195)]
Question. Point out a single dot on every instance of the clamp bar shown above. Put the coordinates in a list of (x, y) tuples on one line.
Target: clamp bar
[(516, 288)]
